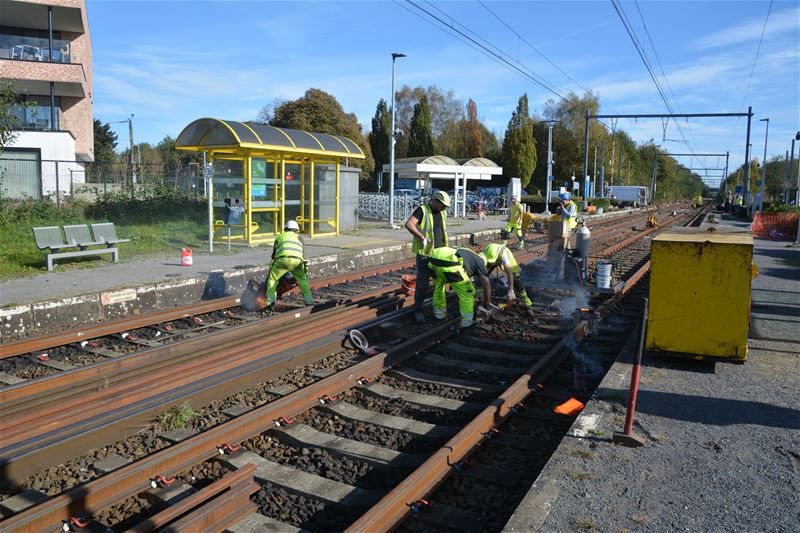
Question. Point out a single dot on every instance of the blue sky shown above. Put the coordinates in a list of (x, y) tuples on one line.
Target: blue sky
[(172, 62)]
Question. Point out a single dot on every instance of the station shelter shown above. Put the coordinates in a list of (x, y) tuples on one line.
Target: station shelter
[(258, 177), (424, 169)]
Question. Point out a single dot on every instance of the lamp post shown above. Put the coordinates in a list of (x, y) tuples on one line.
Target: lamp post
[(760, 194), (550, 124), (395, 56)]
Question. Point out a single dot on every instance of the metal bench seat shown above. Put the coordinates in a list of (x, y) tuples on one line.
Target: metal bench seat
[(79, 235), (50, 238), (107, 233)]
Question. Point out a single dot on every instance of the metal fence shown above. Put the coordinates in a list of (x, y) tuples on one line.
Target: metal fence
[(59, 180), (376, 205)]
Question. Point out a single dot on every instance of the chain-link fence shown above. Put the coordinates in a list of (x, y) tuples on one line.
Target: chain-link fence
[(59, 180), (376, 205)]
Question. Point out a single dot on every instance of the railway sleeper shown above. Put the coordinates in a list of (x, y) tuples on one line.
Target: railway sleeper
[(424, 400)]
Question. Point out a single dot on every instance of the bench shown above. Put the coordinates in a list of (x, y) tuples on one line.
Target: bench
[(77, 236)]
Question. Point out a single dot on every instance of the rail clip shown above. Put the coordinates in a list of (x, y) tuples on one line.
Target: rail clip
[(42, 357), (463, 463), (327, 399), (363, 380), (161, 480), (419, 505), (197, 320), (492, 433), (283, 421), (76, 521), (227, 448)]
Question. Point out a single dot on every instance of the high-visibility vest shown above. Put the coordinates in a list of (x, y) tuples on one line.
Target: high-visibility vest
[(426, 228), (515, 215), (447, 265), (495, 252), (288, 244), (572, 210)]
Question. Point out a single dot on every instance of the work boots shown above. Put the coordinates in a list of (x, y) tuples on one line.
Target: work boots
[(520, 244)]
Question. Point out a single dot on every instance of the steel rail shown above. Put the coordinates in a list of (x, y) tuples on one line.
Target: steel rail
[(135, 477), (20, 347), (395, 506), (107, 490)]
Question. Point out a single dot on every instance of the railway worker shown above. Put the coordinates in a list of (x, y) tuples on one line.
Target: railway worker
[(287, 256), (498, 255), (739, 200), (568, 210), (428, 226), (515, 222), (457, 267)]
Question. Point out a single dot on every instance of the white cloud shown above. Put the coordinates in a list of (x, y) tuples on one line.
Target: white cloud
[(779, 22)]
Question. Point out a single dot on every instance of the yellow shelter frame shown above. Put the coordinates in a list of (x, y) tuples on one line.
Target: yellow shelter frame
[(313, 200)]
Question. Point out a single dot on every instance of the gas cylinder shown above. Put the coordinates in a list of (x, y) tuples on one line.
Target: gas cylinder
[(582, 241)]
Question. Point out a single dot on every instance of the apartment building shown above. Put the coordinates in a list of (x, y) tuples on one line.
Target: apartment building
[(46, 54)]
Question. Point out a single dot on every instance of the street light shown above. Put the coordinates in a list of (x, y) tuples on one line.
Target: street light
[(395, 56), (550, 124), (760, 197)]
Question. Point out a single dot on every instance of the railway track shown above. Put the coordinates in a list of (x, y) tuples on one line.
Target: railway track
[(405, 390)]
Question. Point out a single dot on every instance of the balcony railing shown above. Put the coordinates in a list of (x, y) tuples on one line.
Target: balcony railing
[(33, 49)]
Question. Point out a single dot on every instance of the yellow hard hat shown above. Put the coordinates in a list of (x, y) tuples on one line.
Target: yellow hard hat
[(442, 197), (492, 252)]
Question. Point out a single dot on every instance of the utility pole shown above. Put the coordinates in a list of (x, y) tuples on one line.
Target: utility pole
[(132, 158), (655, 170), (594, 173), (791, 172), (586, 158), (760, 193), (727, 158), (549, 185), (602, 170), (786, 178), (392, 140), (746, 185), (619, 169)]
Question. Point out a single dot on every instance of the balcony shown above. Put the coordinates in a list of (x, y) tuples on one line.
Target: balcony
[(33, 49)]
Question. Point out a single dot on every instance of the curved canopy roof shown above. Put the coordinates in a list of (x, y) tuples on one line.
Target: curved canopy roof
[(428, 160), (216, 134), (476, 162)]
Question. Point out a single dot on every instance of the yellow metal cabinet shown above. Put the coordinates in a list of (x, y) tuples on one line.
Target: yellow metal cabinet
[(700, 294)]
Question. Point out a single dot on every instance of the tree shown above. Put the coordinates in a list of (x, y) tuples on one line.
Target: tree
[(379, 136), (446, 112), (519, 145), (472, 131), (421, 139), (105, 144), (318, 111), (9, 121)]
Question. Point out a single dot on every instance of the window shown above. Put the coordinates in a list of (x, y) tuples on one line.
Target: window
[(32, 45), (33, 112), (20, 173)]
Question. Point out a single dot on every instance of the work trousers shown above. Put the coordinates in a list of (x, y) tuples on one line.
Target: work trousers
[(513, 228), (281, 266), (423, 282), (466, 299), (519, 290)]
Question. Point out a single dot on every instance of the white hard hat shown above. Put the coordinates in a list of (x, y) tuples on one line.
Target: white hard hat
[(291, 225)]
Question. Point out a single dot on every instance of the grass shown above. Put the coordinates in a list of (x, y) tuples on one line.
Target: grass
[(152, 231), (583, 454), (585, 523), (579, 476), (177, 417)]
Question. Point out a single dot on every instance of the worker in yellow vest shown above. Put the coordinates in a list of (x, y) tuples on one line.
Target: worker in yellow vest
[(515, 222), (498, 255), (698, 201), (457, 267), (568, 210), (428, 225), (287, 256)]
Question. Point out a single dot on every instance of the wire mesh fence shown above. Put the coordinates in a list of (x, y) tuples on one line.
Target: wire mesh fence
[(60, 180)]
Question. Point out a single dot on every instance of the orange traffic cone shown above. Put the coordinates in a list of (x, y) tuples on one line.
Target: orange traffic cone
[(186, 257)]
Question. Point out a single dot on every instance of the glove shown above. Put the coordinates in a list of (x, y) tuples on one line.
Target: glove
[(560, 210), (483, 311), (511, 296), (424, 243)]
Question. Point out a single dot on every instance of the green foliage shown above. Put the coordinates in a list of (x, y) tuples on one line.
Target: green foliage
[(782, 208), (421, 140), (151, 203), (519, 145), (318, 111), (177, 417), (8, 120), (472, 131), (379, 136), (105, 143)]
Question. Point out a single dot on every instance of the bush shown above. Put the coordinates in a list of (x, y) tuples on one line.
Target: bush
[(782, 208), (601, 202), (149, 205), (39, 213)]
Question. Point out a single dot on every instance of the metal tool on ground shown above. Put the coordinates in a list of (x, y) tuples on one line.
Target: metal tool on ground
[(628, 437)]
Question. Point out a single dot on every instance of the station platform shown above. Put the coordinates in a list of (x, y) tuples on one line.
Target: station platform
[(722, 450)]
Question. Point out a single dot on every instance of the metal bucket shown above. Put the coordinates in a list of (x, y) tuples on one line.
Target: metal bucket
[(586, 378), (604, 274), (409, 284)]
